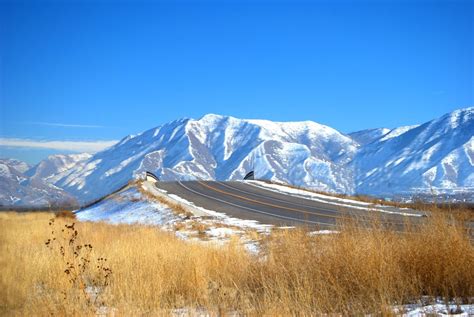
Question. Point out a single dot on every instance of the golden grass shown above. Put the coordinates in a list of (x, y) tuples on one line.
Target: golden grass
[(152, 272)]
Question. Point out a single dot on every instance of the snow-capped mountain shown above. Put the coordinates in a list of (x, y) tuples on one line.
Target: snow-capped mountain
[(436, 156), (17, 189), (18, 165), (220, 147), (378, 162), (51, 168)]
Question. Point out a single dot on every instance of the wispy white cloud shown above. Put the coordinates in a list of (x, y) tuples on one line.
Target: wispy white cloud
[(75, 146), (65, 125)]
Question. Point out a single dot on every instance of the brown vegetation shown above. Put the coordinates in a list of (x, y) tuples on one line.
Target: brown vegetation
[(353, 272), (65, 214)]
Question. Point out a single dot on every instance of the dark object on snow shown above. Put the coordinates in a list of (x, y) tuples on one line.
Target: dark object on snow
[(151, 177), (250, 176)]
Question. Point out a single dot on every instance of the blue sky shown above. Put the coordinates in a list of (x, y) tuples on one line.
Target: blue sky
[(99, 70)]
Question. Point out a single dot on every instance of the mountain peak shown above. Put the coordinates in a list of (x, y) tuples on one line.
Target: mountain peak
[(211, 116), (376, 161), (469, 110), (460, 116)]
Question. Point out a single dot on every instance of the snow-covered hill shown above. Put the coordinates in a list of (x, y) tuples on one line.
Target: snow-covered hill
[(437, 155)]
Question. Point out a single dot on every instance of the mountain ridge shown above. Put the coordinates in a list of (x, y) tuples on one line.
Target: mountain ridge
[(383, 162)]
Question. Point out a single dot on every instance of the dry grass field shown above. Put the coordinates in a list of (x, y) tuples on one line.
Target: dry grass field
[(54, 267)]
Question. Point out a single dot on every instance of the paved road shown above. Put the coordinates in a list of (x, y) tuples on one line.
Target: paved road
[(248, 201)]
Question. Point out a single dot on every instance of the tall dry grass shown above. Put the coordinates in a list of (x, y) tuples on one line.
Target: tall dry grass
[(356, 271)]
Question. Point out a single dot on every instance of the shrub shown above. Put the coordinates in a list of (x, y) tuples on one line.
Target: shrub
[(65, 214)]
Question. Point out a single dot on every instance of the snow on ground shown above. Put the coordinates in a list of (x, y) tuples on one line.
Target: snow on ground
[(221, 232), (222, 217), (343, 202), (405, 311), (130, 208), (322, 232), (217, 226), (434, 310), (244, 223)]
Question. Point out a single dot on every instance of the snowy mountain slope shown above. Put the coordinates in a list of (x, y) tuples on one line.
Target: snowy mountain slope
[(398, 131), (220, 147), (53, 166), (436, 155), (365, 137), (19, 166), (17, 189)]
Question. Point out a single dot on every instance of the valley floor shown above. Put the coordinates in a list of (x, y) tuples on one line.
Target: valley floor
[(57, 265)]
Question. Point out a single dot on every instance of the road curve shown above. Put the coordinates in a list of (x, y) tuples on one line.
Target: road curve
[(246, 201)]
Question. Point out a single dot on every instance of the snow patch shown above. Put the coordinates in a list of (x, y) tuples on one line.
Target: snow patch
[(128, 207)]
